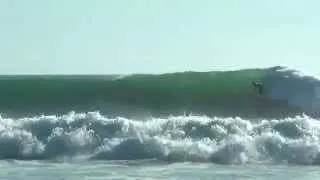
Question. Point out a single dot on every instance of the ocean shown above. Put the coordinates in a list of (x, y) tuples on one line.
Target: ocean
[(186, 125), (183, 171)]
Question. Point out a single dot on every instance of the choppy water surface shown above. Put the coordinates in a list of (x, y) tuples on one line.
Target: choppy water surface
[(36, 170)]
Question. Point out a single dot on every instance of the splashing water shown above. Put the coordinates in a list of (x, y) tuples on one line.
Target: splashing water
[(173, 139)]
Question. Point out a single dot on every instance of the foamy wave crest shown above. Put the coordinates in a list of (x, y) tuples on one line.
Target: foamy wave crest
[(172, 139)]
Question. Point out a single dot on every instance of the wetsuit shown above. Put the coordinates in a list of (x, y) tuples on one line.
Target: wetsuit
[(259, 87)]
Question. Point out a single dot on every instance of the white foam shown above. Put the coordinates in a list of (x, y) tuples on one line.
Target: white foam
[(176, 138)]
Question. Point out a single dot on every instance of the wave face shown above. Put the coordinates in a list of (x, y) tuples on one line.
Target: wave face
[(223, 94), (91, 136)]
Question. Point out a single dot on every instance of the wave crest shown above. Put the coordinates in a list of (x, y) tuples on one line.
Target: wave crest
[(218, 93), (171, 139)]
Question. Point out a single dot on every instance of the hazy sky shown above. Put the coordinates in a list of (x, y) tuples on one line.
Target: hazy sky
[(154, 36)]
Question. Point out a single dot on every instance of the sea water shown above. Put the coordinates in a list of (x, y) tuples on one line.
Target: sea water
[(134, 127), (97, 170), (93, 146)]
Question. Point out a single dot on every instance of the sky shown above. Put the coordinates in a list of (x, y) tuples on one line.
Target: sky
[(157, 36)]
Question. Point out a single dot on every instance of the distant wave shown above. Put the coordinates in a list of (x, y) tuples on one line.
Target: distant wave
[(172, 139), (218, 93)]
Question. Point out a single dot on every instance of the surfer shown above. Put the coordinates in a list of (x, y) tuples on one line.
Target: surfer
[(258, 86)]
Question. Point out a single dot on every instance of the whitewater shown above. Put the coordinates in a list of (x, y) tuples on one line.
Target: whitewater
[(93, 146), (172, 126)]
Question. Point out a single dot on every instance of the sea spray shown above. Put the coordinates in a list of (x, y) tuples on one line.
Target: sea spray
[(172, 139)]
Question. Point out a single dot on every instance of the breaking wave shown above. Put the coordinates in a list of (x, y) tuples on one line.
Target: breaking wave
[(173, 139), (219, 93)]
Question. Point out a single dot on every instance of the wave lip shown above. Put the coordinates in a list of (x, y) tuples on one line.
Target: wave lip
[(217, 93), (172, 139)]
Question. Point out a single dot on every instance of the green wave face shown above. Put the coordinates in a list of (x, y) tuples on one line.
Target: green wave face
[(196, 84), (227, 93)]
